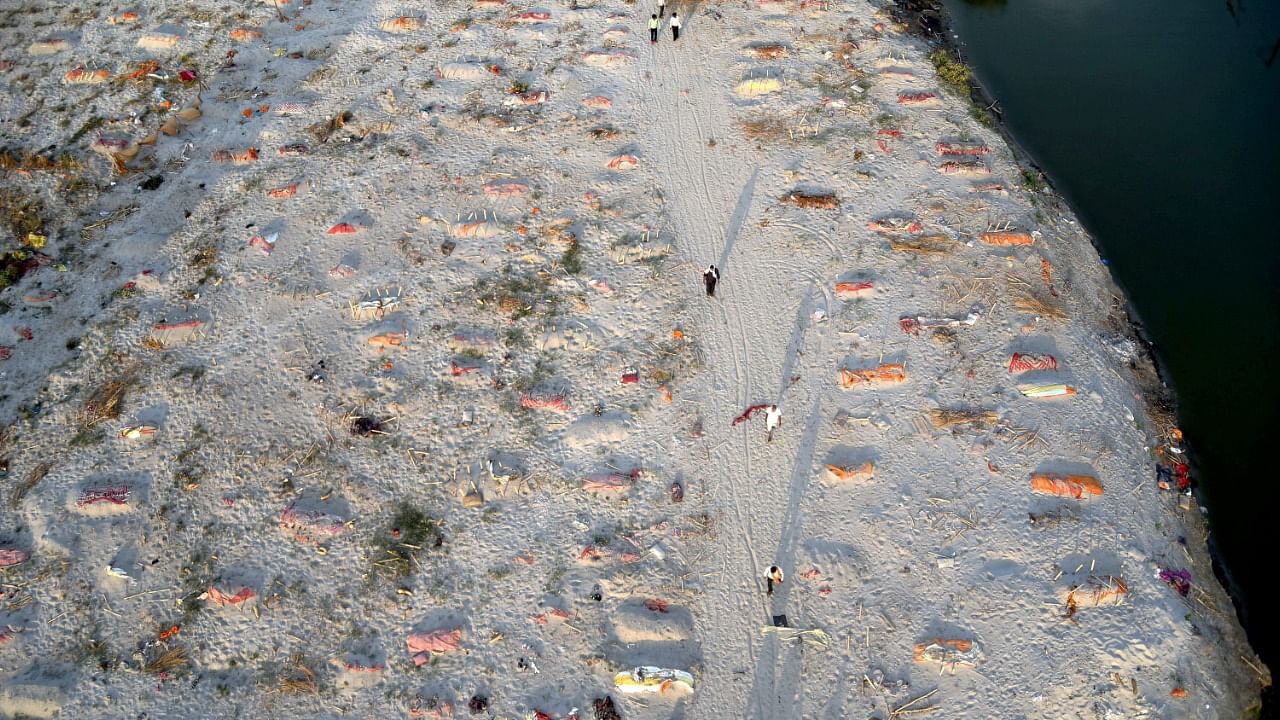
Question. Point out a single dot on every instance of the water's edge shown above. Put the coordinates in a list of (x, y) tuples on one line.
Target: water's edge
[(930, 21)]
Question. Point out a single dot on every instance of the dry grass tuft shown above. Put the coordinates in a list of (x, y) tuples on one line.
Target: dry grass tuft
[(1028, 302), (28, 162), (605, 132), (299, 679), (323, 130), (515, 294), (944, 418), (105, 402), (772, 129), (167, 661), (33, 478), (795, 127), (410, 533), (963, 290), (20, 213), (925, 245), (7, 435), (771, 51), (812, 200)]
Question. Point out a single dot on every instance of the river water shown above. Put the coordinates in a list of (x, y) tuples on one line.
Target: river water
[(1159, 121)]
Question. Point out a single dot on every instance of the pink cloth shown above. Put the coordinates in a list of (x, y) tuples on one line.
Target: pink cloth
[(544, 401), (422, 645), (217, 597), (13, 556), (1024, 362), (315, 521), (112, 495)]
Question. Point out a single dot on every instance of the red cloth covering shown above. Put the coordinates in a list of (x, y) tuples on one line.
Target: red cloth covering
[(746, 414)]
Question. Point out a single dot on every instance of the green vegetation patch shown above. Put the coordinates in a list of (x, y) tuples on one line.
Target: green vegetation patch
[(951, 71), (410, 533)]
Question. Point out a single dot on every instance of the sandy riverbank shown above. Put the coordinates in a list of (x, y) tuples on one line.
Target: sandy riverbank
[(345, 398)]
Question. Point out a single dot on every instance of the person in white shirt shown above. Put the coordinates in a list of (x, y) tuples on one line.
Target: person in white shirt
[(773, 577), (662, 8), (675, 25), (772, 421)]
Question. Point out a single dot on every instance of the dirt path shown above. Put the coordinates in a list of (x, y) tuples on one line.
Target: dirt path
[(755, 489)]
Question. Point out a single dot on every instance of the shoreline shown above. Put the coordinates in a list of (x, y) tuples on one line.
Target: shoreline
[(1156, 386)]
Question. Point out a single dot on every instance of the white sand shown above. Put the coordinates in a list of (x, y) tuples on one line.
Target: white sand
[(449, 312)]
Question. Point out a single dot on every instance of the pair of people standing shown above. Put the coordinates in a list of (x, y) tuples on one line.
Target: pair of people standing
[(655, 23)]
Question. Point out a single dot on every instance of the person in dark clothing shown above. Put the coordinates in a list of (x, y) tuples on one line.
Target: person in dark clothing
[(710, 277), (653, 29)]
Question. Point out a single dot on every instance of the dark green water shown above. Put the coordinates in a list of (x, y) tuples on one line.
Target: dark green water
[(1159, 120)]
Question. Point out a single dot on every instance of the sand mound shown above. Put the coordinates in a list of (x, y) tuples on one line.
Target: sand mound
[(607, 58), (104, 500), (156, 41), (400, 24), (463, 71), (637, 623), (475, 229), (590, 430), (49, 46), (849, 474), (30, 700)]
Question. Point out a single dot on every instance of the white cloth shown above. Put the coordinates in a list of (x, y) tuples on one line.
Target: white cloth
[(675, 21)]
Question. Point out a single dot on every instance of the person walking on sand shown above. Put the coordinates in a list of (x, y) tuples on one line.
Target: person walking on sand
[(653, 29), (772, 421), (662, 8), (710, 277), (675, 25), (771, 578)]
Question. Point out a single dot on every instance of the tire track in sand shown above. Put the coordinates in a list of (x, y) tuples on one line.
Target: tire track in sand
[(700, 226), (713, 213), (707, 188)]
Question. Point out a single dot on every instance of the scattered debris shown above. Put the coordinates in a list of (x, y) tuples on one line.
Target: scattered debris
[(1095, 591), (949, 653)]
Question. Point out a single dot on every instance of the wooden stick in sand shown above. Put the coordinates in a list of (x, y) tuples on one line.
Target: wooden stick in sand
[(1261, 675), (903, 711)]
